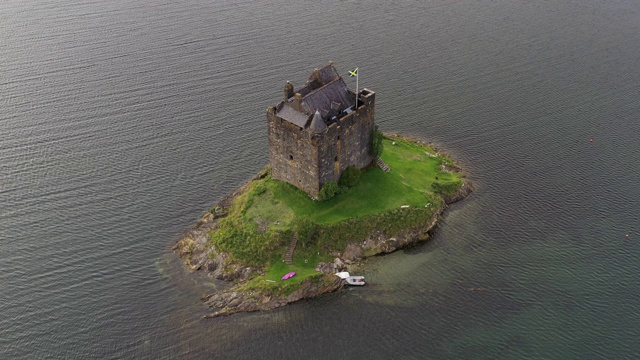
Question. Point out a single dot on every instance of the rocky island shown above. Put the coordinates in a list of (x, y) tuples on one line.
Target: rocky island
[(336, 191)]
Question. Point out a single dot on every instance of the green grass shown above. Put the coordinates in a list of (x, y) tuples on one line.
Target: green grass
[(377, 191), (409, 183), (272, 283), (267, 207), (417, 169), (261, 221)]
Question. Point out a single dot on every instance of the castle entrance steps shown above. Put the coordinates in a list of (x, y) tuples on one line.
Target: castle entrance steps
[(288, 257), (382, 165)]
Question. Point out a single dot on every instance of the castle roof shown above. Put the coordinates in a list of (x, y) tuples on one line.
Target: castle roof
[(293, 116), (320, 77), (327, 74), (320, 99), (324, 92)]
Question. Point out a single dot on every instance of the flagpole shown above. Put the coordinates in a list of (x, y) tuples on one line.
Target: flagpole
[(357, 79), (355, 73)]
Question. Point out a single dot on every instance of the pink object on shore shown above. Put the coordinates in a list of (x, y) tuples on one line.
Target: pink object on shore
[(289, 275)]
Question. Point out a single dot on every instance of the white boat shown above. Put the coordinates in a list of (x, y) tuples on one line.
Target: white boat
[(355, 280), (343, 275)]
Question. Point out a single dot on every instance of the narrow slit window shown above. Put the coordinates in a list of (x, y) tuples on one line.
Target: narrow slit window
[(290, 157)]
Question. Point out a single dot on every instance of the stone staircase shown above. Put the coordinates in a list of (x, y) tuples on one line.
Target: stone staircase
[(382, 165), (288, 257)]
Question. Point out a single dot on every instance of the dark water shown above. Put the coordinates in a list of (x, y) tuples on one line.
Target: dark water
[(122, 122)]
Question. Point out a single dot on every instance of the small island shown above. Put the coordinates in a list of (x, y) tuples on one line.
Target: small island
[(336, 191)]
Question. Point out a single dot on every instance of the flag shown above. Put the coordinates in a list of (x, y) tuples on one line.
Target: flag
[(353, 73)]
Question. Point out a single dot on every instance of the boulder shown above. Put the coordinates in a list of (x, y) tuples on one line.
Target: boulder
[(327, 268), (353, 252)]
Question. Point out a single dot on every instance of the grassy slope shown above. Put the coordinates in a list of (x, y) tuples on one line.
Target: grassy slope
[(409, 183), (376, 191), (272, 281), (273, 207), (415, 166)]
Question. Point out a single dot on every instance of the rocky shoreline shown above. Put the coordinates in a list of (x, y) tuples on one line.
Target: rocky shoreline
[(197, 255), (233, 301)]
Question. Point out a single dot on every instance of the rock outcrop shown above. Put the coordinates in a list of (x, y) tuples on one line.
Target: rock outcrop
[(198, 253), (233, 301)]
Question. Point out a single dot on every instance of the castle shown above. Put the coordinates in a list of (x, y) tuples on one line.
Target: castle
[(317, 131)]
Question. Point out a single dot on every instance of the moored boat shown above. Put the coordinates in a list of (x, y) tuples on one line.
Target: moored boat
[(355, 280), (289, 275)]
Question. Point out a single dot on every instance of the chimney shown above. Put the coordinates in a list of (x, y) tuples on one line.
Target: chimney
[(288, 90)]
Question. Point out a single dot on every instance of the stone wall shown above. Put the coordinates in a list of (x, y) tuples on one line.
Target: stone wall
[(308, 160), (291, 155), (347, 142)]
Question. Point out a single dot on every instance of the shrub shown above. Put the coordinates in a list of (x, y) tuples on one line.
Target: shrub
[(329, 190), (285, 235), (446, 188), (259, 190), (250, 196), (349, 177), (306, 230), (377, 145)]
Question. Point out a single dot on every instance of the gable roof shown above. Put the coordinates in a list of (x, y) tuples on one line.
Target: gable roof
[(328, 74), (293, 116), (321, 98), (324, 91)]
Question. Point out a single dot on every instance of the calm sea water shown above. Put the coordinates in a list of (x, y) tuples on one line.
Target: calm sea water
[(122, 122)]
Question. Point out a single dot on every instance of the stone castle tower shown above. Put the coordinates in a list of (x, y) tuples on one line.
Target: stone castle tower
[(316, 131)]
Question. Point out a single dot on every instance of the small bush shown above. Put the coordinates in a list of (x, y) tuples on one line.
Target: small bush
[(329, 190), (259, 190), (377, 145), (306, 229), (350, 177), (447, 188), (285, 236)]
